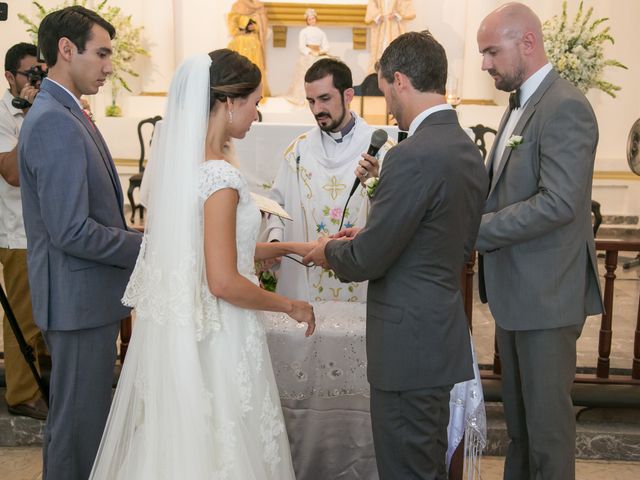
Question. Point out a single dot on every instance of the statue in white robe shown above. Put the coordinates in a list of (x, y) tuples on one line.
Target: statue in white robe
[(313, 45)]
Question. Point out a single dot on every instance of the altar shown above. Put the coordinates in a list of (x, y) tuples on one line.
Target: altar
[(325, 394)]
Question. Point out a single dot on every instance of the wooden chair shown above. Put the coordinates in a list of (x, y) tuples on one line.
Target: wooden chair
[(136, 180), (597, 216), (479, 131)]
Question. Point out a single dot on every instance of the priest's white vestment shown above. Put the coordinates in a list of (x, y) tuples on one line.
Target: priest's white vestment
[(313, 184)]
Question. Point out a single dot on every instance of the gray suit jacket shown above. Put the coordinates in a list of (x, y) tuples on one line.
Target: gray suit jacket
[(421, 228), (536, 234), (80, 251)]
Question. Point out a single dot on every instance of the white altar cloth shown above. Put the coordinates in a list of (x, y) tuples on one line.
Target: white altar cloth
[(324, 391)]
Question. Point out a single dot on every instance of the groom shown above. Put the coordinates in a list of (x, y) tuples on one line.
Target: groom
[(422, 227)]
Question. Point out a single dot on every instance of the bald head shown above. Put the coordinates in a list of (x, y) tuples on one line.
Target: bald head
[(513, 20), (511, 42)]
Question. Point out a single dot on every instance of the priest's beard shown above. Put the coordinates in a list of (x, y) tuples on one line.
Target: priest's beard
[(333, 125)]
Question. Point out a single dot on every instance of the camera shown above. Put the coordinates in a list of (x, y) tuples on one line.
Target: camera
[(34, 75)]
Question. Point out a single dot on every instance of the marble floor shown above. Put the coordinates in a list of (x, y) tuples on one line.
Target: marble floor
[(24, 463)]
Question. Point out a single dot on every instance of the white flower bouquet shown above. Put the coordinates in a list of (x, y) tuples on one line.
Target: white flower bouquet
[(576, 50)]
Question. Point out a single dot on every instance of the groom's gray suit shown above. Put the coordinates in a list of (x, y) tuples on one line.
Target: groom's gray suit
[(422, 226), (540, 272), (80, 257)]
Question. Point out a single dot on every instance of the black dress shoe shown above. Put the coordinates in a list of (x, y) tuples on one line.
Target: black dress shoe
[(37, 410)]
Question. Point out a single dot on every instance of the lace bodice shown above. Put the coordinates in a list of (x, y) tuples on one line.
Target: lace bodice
[(219, 174)]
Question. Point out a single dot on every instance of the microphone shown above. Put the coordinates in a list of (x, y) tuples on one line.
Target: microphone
[(378, 139)]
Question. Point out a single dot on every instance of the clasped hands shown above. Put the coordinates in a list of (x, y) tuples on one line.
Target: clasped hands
[(316, 250), (368, 167)]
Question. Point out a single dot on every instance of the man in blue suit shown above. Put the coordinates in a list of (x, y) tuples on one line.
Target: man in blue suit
[(80, 251)]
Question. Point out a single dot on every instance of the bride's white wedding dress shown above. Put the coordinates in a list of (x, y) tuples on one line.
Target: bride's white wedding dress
[(197, 398)]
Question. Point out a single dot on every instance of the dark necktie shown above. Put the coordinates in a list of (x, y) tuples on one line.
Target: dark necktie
[(514, 100)]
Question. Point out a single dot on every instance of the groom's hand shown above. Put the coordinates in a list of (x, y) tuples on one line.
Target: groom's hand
[(316, 256), (346, 233)]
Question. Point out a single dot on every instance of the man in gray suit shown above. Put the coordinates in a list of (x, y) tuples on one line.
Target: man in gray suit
[(421, 228), (539, 263), (80, 251)]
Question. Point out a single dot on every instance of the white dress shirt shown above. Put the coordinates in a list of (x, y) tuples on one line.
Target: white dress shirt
[(12, 233), (527, 89), (420, 117)]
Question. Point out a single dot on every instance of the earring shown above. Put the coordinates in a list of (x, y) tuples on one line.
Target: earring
[(230, 116)]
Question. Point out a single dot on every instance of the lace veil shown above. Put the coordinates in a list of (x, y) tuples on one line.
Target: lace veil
[(162, 395), (166, 282)]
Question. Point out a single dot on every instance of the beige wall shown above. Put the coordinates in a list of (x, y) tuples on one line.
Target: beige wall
[(178, 28)]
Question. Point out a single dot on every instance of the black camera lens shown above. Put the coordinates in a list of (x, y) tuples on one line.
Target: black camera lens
[(35, 74)]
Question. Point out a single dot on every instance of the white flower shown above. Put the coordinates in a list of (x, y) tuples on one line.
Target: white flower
[(577, 50), (371, 184), (514, 141)]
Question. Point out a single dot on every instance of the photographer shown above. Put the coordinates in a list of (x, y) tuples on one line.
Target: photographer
[(22, 395)]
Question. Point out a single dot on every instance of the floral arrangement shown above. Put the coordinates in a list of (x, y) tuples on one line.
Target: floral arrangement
[(126, 45), (576, 49)]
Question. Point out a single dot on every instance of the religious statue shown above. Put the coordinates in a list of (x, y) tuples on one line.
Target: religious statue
[(386, 18), (313, 45), (247, 23)]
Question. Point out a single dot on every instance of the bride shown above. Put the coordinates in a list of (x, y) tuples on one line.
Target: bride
[(197, 397)]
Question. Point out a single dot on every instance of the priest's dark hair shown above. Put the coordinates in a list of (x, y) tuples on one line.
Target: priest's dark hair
[(419, 56), (231, 75), (341, 74), (74, 23)]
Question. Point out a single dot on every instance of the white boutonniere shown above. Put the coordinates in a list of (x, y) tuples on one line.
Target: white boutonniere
[(514, 141), (371, 184)]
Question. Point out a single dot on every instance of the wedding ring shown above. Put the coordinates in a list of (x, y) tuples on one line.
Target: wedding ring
[(365, 174)]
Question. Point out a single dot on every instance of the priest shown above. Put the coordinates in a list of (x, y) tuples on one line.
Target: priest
[(315, 179)]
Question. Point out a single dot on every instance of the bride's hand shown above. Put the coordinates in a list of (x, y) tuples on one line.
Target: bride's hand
[(303, 313), (303, 248)]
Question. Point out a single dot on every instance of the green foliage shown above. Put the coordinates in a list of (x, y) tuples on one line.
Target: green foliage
[(126, 45), (268, 280)]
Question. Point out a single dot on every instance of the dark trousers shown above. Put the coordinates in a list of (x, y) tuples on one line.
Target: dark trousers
[(410, 433), (538, 368), (82, 364)]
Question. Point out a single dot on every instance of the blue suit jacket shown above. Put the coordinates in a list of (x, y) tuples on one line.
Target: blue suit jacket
[(80, 251)]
